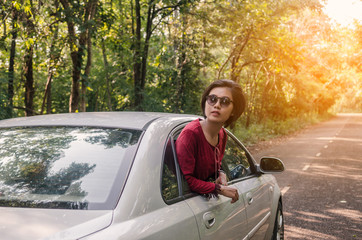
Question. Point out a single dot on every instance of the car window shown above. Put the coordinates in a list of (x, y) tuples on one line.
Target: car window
[(235, 162), (174, 186), (170, 189), (64, 167)]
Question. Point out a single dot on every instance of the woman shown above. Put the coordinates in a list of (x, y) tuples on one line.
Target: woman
[(201, 144)]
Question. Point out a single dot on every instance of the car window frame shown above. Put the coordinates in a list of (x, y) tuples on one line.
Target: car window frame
[(179, 176)]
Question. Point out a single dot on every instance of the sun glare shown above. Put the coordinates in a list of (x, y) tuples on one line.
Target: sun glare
[(344, 12)]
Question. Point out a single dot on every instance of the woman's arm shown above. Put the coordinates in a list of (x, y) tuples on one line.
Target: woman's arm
[(222, 179)]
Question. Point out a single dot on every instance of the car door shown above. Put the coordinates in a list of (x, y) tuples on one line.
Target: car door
[(216, 217), (256, 192)]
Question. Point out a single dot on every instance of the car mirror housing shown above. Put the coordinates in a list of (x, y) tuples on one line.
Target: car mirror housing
[(271, 165)]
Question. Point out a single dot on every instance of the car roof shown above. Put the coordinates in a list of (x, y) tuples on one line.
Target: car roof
[(129, 120)]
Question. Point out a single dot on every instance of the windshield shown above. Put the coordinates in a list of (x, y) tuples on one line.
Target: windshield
[(64, 167)]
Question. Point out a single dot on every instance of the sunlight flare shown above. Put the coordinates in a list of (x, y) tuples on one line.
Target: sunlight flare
[(344, 12)]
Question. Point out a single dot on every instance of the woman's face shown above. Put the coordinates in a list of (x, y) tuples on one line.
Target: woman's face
[(219, 113)]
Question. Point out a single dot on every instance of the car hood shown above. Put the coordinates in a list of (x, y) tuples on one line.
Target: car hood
[(25, 223)]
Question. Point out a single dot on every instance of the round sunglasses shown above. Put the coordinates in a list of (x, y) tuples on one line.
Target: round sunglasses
[(213, 99)]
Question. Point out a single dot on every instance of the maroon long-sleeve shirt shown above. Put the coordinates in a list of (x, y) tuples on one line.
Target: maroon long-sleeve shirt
[(197, 158)]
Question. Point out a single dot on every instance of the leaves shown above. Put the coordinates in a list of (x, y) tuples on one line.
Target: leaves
[(285, 54)]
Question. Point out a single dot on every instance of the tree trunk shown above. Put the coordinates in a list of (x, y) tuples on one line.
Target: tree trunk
[(74, 53), (74, 93), (14, 35), (49, 97), (141, 54), (47, 93), (233, 75), (53, 59), (137, 61), (150, 17), (29, 81), (28, 67), (89, 14), (86, 75), (182, 66), (106, 68)]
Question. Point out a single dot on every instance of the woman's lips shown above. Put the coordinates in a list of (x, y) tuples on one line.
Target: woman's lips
[(215, 113)]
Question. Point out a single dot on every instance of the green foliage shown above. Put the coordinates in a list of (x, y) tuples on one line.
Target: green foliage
[(285, 54), (3, 107), (3, 95)]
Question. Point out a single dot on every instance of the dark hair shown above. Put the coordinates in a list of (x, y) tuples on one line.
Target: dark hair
[(238, 99)]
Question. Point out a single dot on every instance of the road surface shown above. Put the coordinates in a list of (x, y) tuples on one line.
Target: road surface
[(322, 184)]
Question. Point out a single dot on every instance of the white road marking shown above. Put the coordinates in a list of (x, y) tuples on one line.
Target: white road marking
[(318, 154), (284, 190), (306, 167)]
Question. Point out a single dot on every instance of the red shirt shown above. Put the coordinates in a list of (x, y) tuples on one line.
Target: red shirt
[(197, 157)]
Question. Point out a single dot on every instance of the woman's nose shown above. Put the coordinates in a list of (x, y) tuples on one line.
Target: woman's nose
[(217, 104)]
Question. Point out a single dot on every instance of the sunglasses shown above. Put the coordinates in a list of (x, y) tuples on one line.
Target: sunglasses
[(213, 99)]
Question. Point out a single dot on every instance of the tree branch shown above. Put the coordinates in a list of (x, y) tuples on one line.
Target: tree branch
[(232, 54), (168, 7)]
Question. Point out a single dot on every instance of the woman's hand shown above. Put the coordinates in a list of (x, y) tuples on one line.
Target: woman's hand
[(229, 192), (222, 179)]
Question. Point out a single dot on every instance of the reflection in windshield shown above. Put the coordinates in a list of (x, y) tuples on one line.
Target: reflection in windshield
[(60, 167)]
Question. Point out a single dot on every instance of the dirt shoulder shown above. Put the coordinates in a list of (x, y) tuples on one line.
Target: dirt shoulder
[(264, 145)]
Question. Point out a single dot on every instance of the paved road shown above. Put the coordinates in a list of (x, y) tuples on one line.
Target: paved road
[(322, 184)]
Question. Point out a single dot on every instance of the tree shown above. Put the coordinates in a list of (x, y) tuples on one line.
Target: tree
[(28, 64), (257, 41), (159, 55), (82, 13), (155, 12), (52, 59), (14, 12)]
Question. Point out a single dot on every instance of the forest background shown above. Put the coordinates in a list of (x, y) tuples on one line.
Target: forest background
[(294, 65)]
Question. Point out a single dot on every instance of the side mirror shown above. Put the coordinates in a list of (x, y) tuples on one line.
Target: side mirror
[(271, 165)]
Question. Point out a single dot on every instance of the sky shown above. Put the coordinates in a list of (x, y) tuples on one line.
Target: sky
[(344, 11)]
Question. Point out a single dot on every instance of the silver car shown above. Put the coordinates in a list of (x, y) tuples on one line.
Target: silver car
[(114, 175)]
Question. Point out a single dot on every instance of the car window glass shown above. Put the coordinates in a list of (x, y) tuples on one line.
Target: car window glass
[(185, 186), (169, 178), (64, 167), (171, 174), (235, 162)]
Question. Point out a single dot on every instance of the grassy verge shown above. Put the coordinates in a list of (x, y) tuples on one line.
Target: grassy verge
[(273, 129)]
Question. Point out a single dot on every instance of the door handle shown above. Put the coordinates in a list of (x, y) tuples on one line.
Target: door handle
[(249, 198), (209, 219)]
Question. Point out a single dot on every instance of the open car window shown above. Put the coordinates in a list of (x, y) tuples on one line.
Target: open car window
[(236, 164)]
